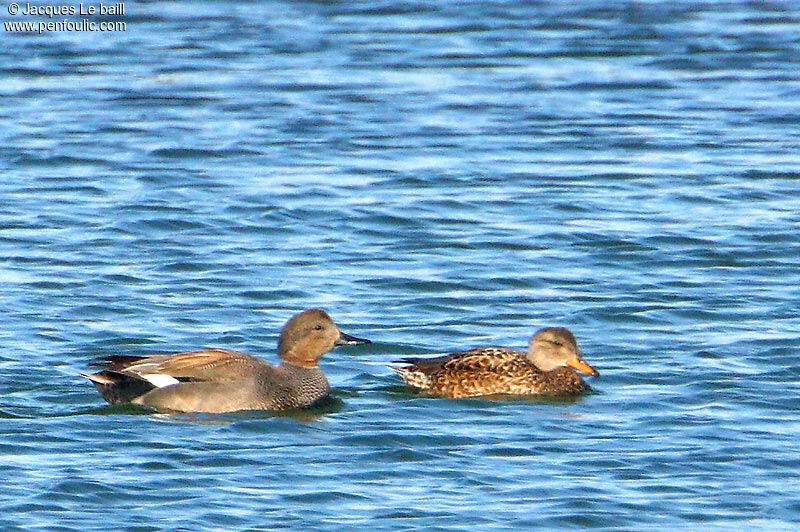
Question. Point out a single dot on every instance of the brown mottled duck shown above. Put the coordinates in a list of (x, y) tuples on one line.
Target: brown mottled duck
[(546, 369)]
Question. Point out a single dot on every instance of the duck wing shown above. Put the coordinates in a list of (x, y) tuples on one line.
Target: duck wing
[(208, 365), (479, 371), (483, 359)]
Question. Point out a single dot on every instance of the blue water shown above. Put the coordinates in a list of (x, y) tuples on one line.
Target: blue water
[(437, 176)]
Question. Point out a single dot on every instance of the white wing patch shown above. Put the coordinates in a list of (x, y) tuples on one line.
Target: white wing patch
[(159, 380)]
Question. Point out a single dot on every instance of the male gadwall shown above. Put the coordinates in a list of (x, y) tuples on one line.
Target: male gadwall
[(497, 370), (219, 380)]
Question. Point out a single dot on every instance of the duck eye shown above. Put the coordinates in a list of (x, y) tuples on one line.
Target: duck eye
[(556, 342), (317, 327)]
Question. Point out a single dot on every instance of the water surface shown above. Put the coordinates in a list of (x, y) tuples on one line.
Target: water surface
[(436, 176)]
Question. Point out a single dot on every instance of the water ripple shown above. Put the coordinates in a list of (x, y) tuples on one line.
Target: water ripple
[(437, 177)]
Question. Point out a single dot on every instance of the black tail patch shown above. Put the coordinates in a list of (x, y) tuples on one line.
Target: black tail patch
[(117, 387)]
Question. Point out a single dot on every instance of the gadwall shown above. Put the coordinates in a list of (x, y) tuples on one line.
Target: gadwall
[(543, 370), (220, 380)]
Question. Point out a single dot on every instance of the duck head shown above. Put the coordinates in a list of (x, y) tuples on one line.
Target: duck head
[(554, 347), (309, 335)]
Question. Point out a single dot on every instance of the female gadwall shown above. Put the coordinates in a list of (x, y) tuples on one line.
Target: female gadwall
[(497, 370), (219, 380)]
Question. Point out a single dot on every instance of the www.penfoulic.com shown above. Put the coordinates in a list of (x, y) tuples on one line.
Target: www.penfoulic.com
[(53, 11), (30, 26)]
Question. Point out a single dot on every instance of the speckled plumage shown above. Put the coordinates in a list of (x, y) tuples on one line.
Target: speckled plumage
[(220, 380), (498, 370)]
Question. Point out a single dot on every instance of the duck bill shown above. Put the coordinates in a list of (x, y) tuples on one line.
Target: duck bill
[(583, 367), (346, 339)]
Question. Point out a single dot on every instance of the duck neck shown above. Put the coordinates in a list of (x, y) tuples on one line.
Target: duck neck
[(542, 362), (310, 381), (293, 363)]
